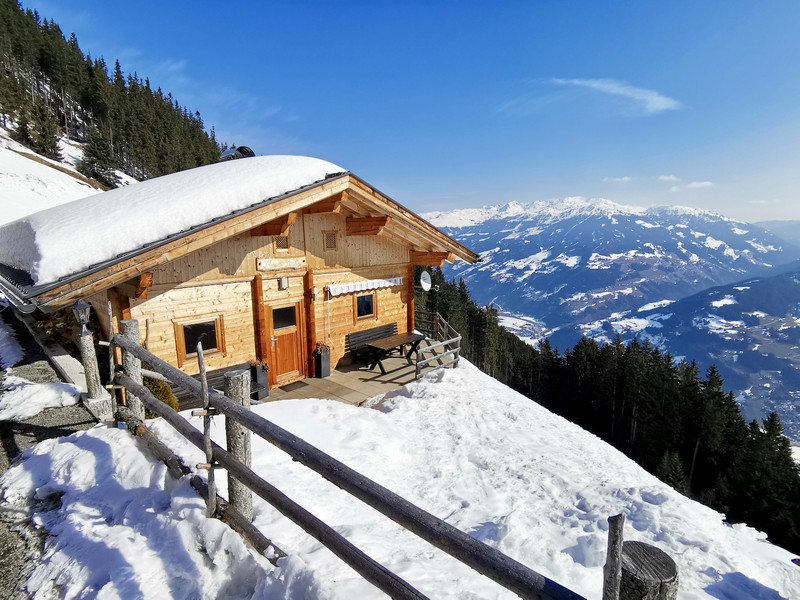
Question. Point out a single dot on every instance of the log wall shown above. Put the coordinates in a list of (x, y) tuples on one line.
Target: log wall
[(352, 251), (165, 305), (335, 316)]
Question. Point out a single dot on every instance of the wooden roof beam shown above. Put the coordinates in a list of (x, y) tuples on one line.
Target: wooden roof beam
[(136, 288), (277, 227), (366, 225), (430, 259), (334, 204)]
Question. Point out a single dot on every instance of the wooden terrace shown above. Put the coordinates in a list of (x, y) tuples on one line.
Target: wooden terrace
[(352, 384)]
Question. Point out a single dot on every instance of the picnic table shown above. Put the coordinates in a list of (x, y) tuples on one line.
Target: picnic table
[(382, 346)]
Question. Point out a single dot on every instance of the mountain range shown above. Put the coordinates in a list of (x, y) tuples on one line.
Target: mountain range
[(699, 285)]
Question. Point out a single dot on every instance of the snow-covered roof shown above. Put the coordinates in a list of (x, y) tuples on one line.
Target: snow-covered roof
[(67, 239)]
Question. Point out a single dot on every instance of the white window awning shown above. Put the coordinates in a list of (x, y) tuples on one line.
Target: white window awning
[(337, 289)]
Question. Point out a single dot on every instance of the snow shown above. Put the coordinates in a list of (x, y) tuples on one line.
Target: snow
[(65, 239), (457, 443), (547, 210), (10, 350), (647, 225), (654, 305), (21, 399), (726, 301), (28, 186)]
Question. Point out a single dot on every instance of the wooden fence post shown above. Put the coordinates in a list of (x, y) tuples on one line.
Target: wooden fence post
[(612, 571), (132, 365), (237, 388), (90, 366)]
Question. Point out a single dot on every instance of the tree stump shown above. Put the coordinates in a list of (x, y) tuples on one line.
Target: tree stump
[(647, 573)]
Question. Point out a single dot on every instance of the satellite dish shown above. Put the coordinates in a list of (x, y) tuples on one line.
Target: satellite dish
[(425, 280)]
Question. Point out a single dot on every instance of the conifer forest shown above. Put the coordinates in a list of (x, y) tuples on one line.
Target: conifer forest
[(49, 88)]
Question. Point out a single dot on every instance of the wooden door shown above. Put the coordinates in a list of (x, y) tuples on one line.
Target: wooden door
[(286, 338)]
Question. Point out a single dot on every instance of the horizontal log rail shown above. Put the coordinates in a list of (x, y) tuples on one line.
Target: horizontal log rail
[(435, 327), (436, 346), (484, 559)]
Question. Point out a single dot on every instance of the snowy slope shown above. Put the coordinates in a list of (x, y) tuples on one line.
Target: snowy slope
[(458, 443), (28, 186)]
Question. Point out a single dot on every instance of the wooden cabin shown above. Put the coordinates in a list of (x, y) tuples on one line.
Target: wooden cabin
[(266, 282)]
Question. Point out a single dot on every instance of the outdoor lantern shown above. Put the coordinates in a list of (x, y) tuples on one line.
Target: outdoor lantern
[(81, 311)]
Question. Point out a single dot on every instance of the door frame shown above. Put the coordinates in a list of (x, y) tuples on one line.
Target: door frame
[(302, 336)]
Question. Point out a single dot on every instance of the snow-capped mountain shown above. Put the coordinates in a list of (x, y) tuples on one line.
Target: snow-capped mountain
[(562, 264), (750, 330)]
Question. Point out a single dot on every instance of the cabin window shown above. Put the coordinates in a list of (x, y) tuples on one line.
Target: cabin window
[(209, 331), (330, 240), (365, 307), (281, 243), (284, 317)]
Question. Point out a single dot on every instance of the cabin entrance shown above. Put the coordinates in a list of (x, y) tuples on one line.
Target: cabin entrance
[(286, 343)]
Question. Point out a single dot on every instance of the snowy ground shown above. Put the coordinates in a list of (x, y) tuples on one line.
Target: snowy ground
[(458, 443), (28, 186)]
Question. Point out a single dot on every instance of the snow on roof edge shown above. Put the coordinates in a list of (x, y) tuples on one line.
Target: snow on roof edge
[(52, 247)]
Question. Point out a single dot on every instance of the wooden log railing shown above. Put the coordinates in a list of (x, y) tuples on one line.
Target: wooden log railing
[(446, 351), (484, 559)]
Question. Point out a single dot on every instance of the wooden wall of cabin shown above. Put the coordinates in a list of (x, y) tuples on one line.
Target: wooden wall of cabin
[(351, 251), (237, 256), (335, 317), (167, 306)]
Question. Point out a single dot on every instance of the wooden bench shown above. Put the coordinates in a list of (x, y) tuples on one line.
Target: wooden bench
[(357, 341)]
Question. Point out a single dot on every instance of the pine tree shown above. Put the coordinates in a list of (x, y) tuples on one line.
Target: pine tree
[(670, 471), (45, 132), (98, 159)]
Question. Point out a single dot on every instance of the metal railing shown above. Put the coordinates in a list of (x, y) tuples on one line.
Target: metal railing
[(446, 348), (484, 559)]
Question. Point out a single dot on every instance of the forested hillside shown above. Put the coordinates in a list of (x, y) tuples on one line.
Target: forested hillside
[(679, 425), (49, 88)]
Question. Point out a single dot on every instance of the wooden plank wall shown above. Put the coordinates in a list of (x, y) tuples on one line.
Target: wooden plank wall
[(352, 251), (335, 316), (234, 301), (234, 257)]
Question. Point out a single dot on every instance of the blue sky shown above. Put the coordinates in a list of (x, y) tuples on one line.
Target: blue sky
[(453, 104)]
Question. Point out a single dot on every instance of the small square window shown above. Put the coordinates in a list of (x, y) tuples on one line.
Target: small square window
[(281, 243), (210, 332), (200, 333), (330, 240), (284, 317), (365, 306)]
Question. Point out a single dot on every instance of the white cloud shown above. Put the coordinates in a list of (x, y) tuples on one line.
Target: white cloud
[(694, 185), (624, 179), (668, 178), (649, 102)]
